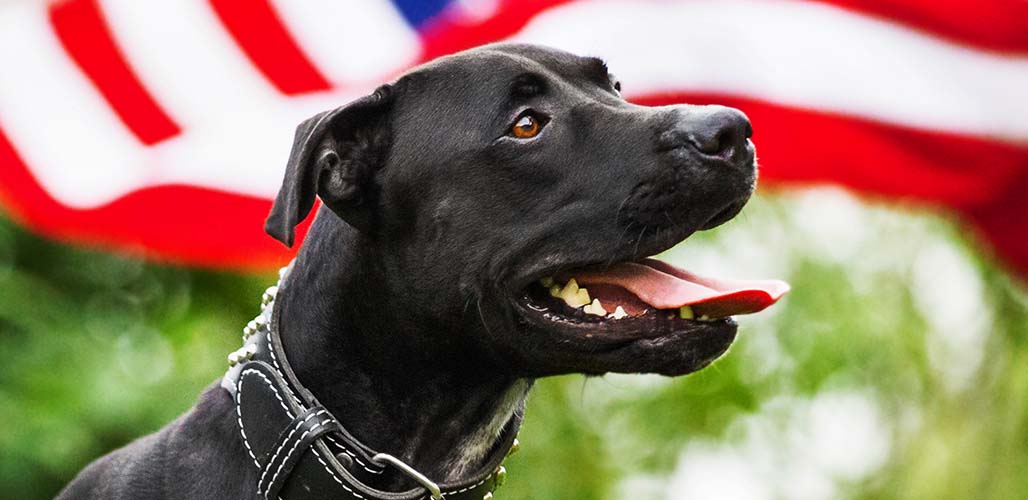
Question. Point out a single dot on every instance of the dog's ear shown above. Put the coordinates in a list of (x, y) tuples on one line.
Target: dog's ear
[(335, 154)]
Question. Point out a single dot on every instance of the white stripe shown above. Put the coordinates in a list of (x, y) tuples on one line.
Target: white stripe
[(801, 54), (188, 62), (351, 41), (236, 129), (73, 143)]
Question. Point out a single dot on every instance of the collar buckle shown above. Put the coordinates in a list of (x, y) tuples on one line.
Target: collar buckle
[(387, 459)]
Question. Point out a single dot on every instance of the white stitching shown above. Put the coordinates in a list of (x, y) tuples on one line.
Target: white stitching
[(274, 361), (239, 413), (291, 450), (333, 474), (354, 456), (476, 485), (239, 418), (273, 388), (283, 445), (317, 454)]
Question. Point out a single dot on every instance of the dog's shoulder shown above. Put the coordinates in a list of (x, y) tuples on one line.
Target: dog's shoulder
[(197, 456)]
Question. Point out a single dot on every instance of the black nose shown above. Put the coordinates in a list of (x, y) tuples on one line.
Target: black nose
[(719, 130)]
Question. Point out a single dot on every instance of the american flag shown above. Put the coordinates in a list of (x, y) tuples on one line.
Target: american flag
[(162, 127)]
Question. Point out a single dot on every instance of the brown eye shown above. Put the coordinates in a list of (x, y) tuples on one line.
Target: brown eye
[(526, 127)]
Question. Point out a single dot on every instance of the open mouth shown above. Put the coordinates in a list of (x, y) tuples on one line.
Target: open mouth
[(645, 298)]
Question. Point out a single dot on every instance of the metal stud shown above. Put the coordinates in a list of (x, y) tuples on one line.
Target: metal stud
[(269, 295), (233, 358), (260, 321), (501, 476), (282, 272), (488, 496), (514, 447)]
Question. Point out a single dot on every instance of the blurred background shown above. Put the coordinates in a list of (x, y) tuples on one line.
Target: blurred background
[(141, 143)]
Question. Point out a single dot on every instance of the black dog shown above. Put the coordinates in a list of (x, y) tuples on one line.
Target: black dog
[(459, 204)]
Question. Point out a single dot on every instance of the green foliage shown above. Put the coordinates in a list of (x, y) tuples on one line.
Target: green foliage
[(897, 368)]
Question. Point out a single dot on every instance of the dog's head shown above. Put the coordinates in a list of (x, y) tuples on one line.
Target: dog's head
[(509, 196)]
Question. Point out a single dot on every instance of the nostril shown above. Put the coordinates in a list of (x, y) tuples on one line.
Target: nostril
[(718, 143), (712, 130), (722, 131), (709, 146), (723, 142)]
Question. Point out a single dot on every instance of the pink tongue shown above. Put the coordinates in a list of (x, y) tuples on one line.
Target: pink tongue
[(664, 286)]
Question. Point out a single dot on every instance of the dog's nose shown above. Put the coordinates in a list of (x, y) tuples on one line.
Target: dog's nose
[(720, 131)]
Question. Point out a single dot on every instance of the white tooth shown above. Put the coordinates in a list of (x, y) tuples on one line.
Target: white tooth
[(555, 290), (574, 296), (546, 282), (619, 313), (582, 296), (685, 313), (571, 285), (705, 318), (595, 308)]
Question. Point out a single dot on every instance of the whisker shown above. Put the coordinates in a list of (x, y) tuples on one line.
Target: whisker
[(481, 316), (618, 244), (639, 240), (617, 215)]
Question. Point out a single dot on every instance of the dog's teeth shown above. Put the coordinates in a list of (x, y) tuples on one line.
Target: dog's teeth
[(555, 291), (574, 296), (619, 313), (595, 308), (704, 317), (686, 313), (582, 297), (546, 282)]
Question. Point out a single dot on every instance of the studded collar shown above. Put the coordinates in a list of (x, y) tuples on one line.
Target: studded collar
[(300, 449)]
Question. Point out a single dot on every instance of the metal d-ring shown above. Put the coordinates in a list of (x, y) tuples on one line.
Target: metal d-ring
[(429, 485)]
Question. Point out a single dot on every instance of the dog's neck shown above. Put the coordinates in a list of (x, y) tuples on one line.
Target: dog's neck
[(437, 405)]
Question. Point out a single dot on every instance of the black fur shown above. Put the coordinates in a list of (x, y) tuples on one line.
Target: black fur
[(405, 315)]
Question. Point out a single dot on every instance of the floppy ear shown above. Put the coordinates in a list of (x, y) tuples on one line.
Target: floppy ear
[(335, 155)]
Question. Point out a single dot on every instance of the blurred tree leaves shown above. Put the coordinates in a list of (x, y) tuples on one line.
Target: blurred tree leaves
[(98, 349)]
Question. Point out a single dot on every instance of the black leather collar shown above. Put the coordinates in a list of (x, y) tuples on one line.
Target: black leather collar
[(303, 452)]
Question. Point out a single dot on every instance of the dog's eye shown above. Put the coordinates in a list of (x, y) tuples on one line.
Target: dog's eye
[(527, 126)]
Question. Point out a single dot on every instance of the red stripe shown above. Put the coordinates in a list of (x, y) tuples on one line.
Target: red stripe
[(450, 32), (1000, 25), (82, 31), (800, 145), (984, 180), (262, 36), (179, 224), (1003, 221)]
